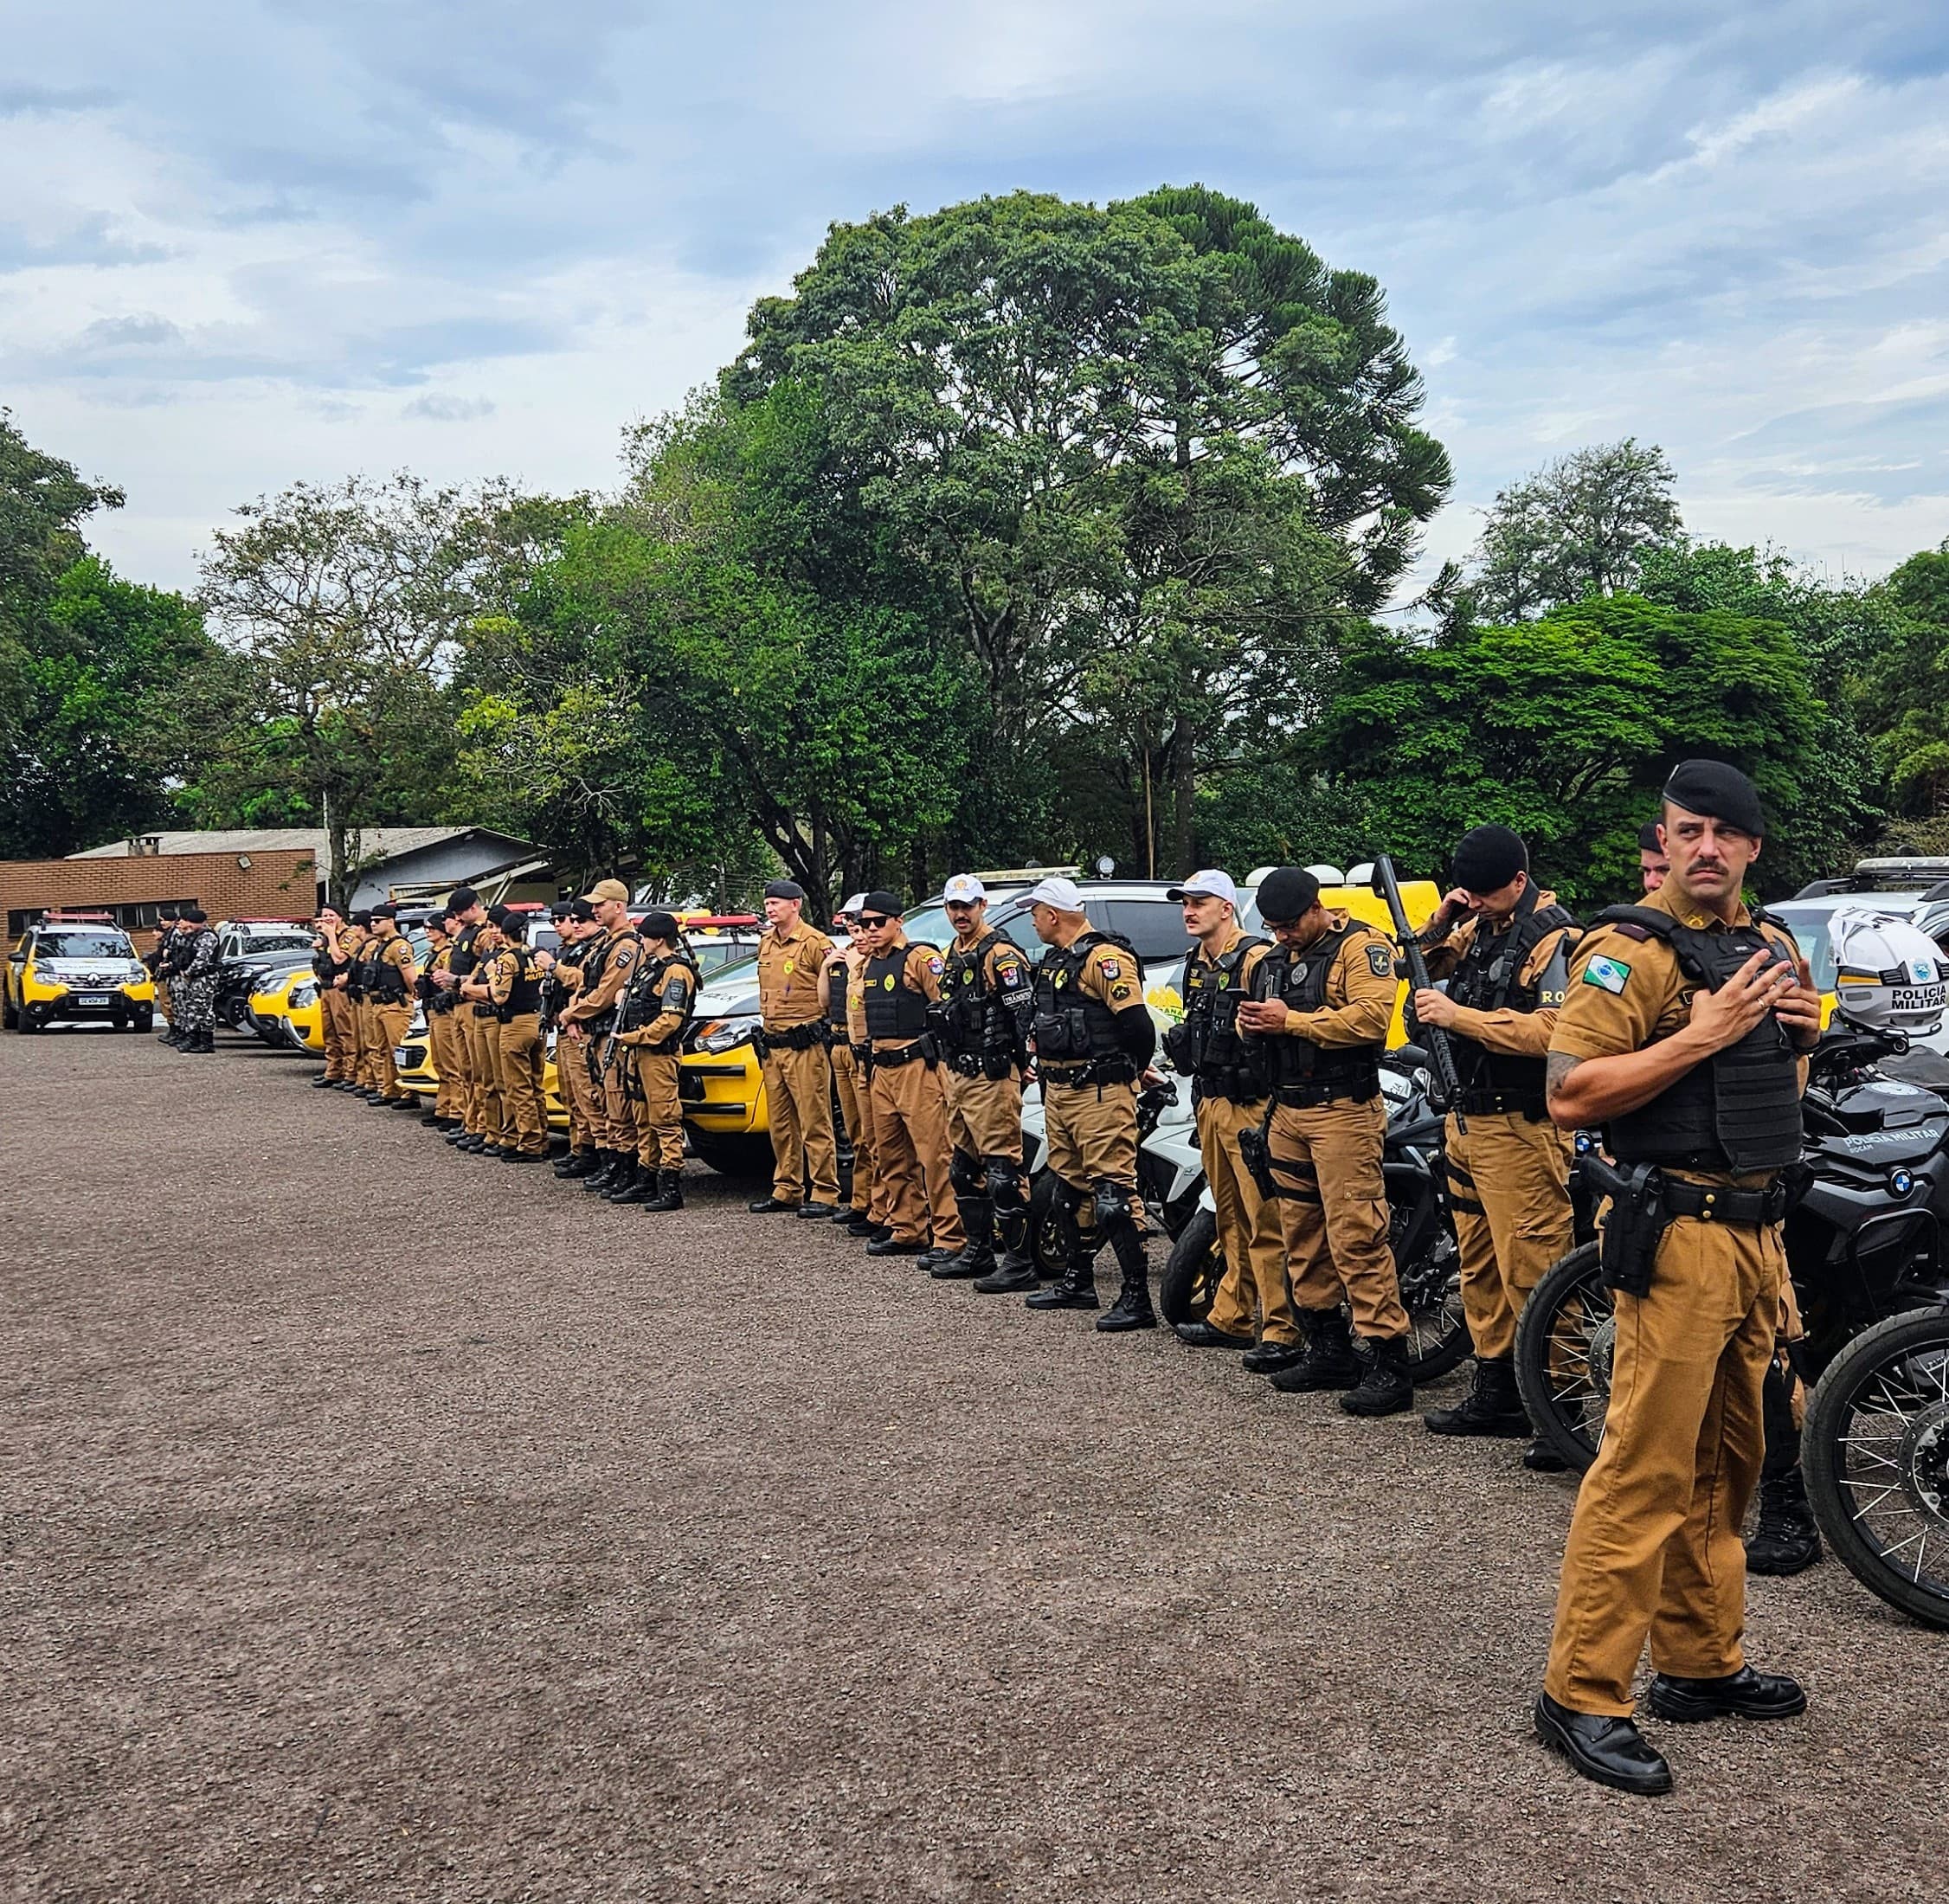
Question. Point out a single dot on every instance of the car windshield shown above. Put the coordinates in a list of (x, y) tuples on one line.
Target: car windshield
[(83, 945), (714, 955), (281, 939)]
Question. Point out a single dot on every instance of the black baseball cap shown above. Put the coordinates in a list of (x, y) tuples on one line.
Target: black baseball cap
[(883, 902)]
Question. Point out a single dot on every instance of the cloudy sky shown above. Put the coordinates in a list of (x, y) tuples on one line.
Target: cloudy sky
[(249, 242)]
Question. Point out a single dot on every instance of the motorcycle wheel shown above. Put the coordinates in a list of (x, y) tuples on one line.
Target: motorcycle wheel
[(1045, 1234), (1190, 1276), (1437, 1331), (1875, 1451), (1564, 1346)]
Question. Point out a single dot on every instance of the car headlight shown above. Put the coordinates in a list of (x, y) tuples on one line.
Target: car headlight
[(727, 1035), (302, 998)]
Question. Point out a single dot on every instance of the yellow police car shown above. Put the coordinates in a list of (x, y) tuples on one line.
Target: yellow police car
[(76, 968), (285, 1010)]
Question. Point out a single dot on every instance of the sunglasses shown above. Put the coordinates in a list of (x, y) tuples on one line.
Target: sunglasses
[(873, 922)]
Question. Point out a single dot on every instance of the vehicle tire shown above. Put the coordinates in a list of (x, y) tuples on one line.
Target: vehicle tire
[(1190, 1276), (732, 1157), (28, 1024), (143, 1020), (9, 1018), (1874, 1453), (1564, 1345), (1045, 1234)]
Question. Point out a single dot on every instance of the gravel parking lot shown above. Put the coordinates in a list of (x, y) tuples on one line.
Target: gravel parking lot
[(384, 1523)]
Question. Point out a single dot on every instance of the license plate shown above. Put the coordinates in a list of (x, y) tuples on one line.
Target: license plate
[(402, 1059), (1921, 998), (91, 998)]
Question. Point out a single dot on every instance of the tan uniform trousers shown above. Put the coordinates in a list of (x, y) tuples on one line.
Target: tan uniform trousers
[(162, 1001), (484, 1070), (799, 1107), (658, 1111), (1654, 1550), (1509, 1190), (1091, 1132), (910, 1122), (389, 1024), (449, 1064), (1253, 1295), (625, 1117), (459, 1023), (984, 1115), (364, 1059), (1332, 1211), (518, 1059), (573, 1081), (856, 1106), (340, 1026)]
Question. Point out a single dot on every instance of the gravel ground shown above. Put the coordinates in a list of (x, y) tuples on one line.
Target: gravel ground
[(384, 1523)]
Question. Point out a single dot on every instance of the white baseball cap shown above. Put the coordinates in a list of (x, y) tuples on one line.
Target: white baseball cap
[(964, 889), (853, 907), (1211, 881), (1064, 894)]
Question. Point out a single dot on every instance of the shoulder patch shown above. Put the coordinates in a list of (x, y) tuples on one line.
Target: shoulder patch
[(1607, 975), (1381, 962), (1119, 994), (624, 956), (1110, 968), (934, 967), (1631, 931)]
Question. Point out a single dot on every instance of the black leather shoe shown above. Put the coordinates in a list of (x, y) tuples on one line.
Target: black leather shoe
[(893, 1246), (1269, 1358), (1009, 1278), (1540, 1459), (880, 1234), (808, 1212), (860, 1225), (523, 1156), (1606, 1750), (766, 1206), (322, 1083), (1743, 1695), (934, 1257), (1202, 1335)]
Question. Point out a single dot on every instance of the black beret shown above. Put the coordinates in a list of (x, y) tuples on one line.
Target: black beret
[(362, 917), (1287, 893), (1648, 840), (1487, 858), (461, 897), (882, 902), (1714, 790), (508, 919), (166, 915), (660, 925), (194, 915), (785, 889)]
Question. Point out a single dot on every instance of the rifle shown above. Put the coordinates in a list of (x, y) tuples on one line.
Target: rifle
[(1441, 1054)]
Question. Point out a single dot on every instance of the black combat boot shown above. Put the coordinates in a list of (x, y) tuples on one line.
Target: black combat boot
[(204, 1044), (1132, 1308), (1330, 1361), (669, 1191), (1076, 1289), (976, 1256), (1015, 1267), (577, 1163), (611, 1163), (1786, 1541), (1387, 1388), (1492, 1406), (636, 1185)]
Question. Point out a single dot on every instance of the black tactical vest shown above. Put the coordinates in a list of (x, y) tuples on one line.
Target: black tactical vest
[(1488, 978), (837, 972), (1070, 1027), (324, 967), (555, 994), (648, 999), (1298, 981), (1739, 1110), (386, 983), (975, 1020), (465, 957), (525, 995), (895, 1009), (363, 983), (1207, 1044)]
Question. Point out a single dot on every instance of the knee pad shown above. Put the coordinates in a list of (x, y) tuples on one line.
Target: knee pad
[(964, 1173), (1113, 1206), (1004, 1180)]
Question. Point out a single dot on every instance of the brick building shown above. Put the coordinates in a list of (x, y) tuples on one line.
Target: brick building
[(227, 886)]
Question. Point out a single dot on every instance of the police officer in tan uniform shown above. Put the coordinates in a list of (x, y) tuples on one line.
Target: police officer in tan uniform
[(1504, 946), (1652, 865), (841, 1001), (1322, 1001), (652, 1012), (901, 980), (588, 1022), (470, 924), (449, 1103), (514, 988), (480, 1024), (575, 922), (1681, 1034), (981, 1028), (1094, 1041), (335, 1011), (1251, 1307), (798, 1079), (394, 981)]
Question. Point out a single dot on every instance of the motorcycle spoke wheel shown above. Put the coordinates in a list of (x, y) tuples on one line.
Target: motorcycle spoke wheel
[(1564, 1346)]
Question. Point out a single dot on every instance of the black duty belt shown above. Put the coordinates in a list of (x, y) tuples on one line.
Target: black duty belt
[(1311, 1096), (905, 1055), (796, 1037), (862, 1053), (1503, 1103), (976, 1065), (1104, 1071), (1720, 1203)]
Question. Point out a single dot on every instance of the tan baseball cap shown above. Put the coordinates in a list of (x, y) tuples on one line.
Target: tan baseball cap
[(608, 889)]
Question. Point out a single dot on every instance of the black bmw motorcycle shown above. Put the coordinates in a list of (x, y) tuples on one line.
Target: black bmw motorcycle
[(1863, 1235)]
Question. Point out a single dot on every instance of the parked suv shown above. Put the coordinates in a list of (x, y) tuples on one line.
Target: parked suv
[(76, 969)]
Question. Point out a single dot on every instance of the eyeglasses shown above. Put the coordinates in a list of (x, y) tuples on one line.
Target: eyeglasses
[(868, 920)]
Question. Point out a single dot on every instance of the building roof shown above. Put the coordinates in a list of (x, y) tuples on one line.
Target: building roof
[(376, 844)]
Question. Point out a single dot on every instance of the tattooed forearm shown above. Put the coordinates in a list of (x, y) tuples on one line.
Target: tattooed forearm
[(1557, 1072)]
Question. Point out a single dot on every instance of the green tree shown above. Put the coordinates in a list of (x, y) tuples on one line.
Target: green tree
[(104, 733), (1581, 526)]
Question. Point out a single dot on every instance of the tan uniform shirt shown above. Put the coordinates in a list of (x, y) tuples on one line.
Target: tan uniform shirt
[(398, 954), (1522, 1034), (1360, 989), (503, 970), (789, 991), (920, 973), (625, 947)]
